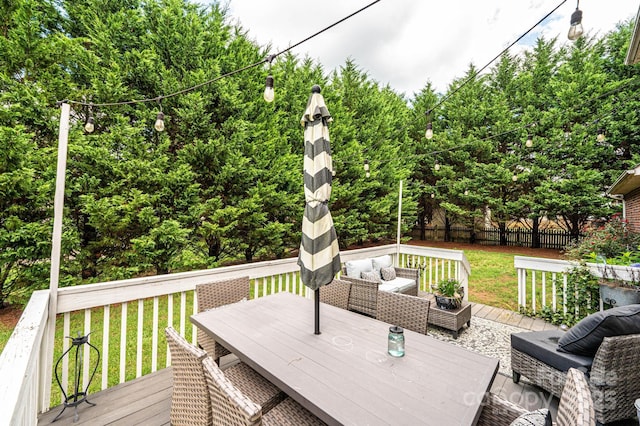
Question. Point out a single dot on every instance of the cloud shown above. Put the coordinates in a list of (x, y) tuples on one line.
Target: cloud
[(407, 43)]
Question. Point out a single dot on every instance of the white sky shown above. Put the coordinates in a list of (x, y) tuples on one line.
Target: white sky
[(407, 43)]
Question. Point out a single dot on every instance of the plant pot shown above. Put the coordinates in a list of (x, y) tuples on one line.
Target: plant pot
[(445, 302), (619, 296)]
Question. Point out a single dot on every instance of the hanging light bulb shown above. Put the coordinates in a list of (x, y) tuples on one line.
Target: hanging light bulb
[(366, 165), (514, 178), (529, 142), (269, 94), (436, 166), (333, 173), (567, 132), (601, 137), (89, 126), (367, 174), (433, 195), (429, 133), (466, 192), (576, 30), (159, 125)]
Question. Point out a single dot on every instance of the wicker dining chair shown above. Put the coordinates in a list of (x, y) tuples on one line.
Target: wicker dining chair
[(213, 295), (406, 311), (336, 293), (190, 403), (190, 397), (576, 406), (232, 407)]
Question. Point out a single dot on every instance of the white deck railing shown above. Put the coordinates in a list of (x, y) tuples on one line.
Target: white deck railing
[(138, 309), (543, 282)]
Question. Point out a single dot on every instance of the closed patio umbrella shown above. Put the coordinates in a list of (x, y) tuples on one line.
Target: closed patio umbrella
[(319, 257)]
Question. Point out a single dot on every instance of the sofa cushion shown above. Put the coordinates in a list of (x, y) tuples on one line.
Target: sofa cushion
[(539, 417), (382, 262), (356, 267), (585, 337), (388, 274), (543, 346), (399, 285), (371, 276)]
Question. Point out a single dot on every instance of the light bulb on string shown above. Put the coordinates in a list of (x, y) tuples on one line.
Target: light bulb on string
[(433, 195), (429, 133), (269, 93), (466, 192), (436, 166), (600, 137), (159, 124), (89, 126), (529, 142), (367, 174), (576, 30), (366, 166), (514, 178)]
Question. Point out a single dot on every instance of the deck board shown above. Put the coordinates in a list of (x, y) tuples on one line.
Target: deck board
[(147, 400)]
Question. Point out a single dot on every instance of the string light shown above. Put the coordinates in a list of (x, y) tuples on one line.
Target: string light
[(89, 126), (436, 166), (429, 133), (600, 137), (514, 177), (269, 93), (529, 142), (159, 124), (466, 192), (576, 30)]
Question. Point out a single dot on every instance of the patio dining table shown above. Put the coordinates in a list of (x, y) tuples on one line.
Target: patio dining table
[(345, 375)]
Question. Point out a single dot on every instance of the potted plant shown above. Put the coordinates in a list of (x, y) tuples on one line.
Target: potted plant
[(449, 293), (613, 253)]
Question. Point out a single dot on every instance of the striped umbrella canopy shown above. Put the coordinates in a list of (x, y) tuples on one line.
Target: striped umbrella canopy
[(319, 257)]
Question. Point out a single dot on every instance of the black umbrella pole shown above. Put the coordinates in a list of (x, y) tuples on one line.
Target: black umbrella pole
[(317, 311)]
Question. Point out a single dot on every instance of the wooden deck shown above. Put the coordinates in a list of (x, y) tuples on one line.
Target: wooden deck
[(147, 400)]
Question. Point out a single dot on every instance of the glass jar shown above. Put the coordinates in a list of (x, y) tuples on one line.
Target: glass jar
[(396, 341)]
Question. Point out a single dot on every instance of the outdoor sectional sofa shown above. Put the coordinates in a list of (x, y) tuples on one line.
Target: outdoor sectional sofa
[(604, 345)]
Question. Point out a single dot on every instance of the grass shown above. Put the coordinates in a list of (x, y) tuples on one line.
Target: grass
[(493, 279)]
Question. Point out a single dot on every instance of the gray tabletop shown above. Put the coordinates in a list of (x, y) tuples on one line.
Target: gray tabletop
[(344, 375)]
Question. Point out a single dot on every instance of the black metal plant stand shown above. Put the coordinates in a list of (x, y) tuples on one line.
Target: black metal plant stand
[(78, 396)]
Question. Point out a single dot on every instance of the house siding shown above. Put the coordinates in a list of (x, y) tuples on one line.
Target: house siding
[(632, 209)]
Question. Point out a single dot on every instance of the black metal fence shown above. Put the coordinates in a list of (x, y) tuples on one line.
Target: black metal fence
[(548, 238)]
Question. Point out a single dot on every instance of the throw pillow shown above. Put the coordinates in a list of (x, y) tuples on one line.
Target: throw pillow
[(371, 276), (585, 337), (356, 267), (388, 274), (540, 417), (382, 262)]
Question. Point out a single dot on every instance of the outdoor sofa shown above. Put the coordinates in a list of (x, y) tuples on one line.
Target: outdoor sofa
[(605, 345)]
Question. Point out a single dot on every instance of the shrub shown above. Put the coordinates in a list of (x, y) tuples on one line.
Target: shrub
[(612, 242)]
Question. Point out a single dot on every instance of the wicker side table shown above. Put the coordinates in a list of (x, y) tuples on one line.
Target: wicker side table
[(450, 319)]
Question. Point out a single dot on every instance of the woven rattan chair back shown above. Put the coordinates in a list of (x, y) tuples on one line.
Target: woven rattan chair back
[(406, 311), (230, 407), (190, 402), (213, 295), (336, 293), (576, 404), (615, 378)]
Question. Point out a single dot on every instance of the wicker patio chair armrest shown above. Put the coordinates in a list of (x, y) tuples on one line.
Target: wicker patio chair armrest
[(497, 411)]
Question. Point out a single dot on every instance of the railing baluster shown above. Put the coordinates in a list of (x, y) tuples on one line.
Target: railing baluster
[(106, 327), (139, 337), (86, 349), (154, 336), (66, 342), (183, 311), (123, 342), (169, 324)]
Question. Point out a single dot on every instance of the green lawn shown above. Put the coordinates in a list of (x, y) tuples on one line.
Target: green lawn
[(493, 279)]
